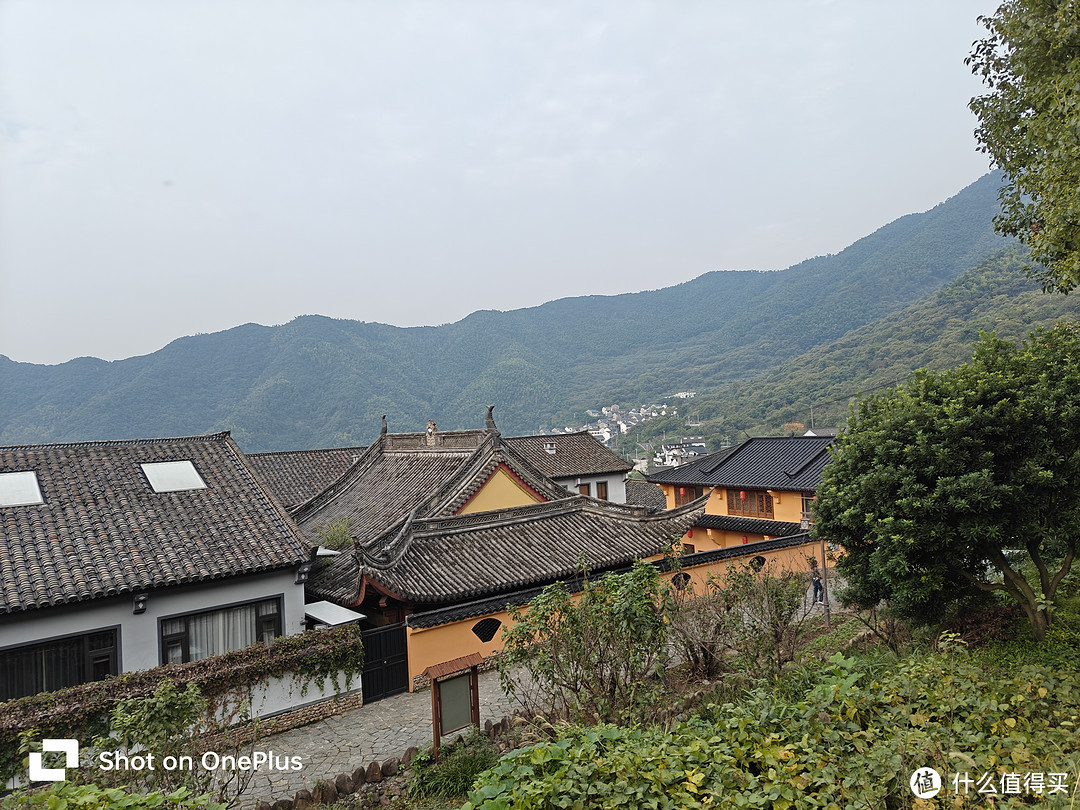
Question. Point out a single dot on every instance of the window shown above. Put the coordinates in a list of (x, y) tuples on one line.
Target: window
[(485, 629), (19, 489), (685, 494), (601, 490), (56, 664), (190, 638), (808, 507), (681, 580), (583, 489), (173, 476), (750, 503)]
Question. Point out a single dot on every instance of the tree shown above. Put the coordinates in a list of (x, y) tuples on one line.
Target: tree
[(963, 481), (753, 617), (1029, 123), (593, 656)]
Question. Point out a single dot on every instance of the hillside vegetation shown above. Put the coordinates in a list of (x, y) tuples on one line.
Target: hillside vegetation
[(319, 382), (936, 332)]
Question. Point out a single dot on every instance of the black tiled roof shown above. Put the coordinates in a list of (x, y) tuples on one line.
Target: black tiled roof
[(734, 552), (296, 476), (494, 604), (745, 525), (467, 557), (642, 493), (102, 530), (575, 454), (781, 462)]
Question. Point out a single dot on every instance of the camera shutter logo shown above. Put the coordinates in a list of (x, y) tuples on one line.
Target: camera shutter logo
[(70, 749)]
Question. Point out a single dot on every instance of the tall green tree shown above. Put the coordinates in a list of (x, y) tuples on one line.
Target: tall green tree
[(963, 481), (1029, 123)]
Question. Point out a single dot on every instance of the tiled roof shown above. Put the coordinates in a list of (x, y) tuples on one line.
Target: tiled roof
[(467, 557), (734, 552), (745, 525), (782, 462), (102, 530), (642, 493), (296, 476), (401, 474), (494, 604), (575, 454)]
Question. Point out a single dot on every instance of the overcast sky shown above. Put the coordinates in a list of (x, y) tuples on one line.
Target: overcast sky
[(177, 166)]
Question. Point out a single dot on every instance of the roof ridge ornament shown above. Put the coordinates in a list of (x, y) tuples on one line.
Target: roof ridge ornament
[(489, 421), (382, 431), (387, 556)]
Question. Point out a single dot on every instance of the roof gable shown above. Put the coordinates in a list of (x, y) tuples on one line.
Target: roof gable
[(414, 474), (101, 528)]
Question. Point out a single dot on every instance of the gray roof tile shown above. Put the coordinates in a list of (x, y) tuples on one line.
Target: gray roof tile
[(453, 559), (102, 530)]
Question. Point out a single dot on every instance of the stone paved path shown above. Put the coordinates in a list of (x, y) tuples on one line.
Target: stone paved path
[(376, 731)]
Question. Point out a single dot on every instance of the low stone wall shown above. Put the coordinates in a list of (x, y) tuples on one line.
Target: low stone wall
[(250, 732)]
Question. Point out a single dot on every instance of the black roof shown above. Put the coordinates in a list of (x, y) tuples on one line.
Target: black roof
[(778, 462), (746, 525)]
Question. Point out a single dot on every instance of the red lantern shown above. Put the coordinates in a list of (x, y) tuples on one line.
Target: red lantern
[(742, 494)]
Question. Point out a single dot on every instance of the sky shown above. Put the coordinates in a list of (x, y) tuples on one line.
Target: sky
[(177, 167)]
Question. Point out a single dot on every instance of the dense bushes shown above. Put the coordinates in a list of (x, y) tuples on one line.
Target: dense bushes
[(852, 738)]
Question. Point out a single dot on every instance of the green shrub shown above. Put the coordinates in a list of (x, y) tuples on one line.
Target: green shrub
[(72, 796), (457, 769), (853, 739)]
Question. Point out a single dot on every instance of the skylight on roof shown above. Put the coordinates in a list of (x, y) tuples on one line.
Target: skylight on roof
[(19, 489), (173, 476)]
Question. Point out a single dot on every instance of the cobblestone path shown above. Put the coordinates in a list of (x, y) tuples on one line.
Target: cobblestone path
[(376, 731)]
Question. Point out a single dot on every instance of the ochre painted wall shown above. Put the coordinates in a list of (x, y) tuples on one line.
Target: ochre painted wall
[(436, 645), (500, 491)]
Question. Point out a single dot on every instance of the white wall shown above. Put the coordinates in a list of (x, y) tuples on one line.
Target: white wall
[(139, 634), (616, 485)]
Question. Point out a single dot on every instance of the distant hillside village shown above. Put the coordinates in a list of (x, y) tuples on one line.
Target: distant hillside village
[(612, 421), (118, 556)]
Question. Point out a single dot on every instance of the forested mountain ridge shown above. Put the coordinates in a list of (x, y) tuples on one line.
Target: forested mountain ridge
[(937, 332), (318, 382)]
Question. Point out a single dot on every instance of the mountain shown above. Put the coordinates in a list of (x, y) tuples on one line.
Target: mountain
[(320, 382), (936, 332)]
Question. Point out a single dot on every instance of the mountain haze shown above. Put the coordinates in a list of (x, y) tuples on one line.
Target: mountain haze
[(320, 382)]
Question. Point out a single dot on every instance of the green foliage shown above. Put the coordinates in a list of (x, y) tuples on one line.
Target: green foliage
[(72, 796), (336, 534), (593, 655), (1029, 123), (167, 723), (941, 488), (851, 739), (457, 769)]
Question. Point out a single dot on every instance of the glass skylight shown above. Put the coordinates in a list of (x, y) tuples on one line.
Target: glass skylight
[(19, 489), (173, 476)]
